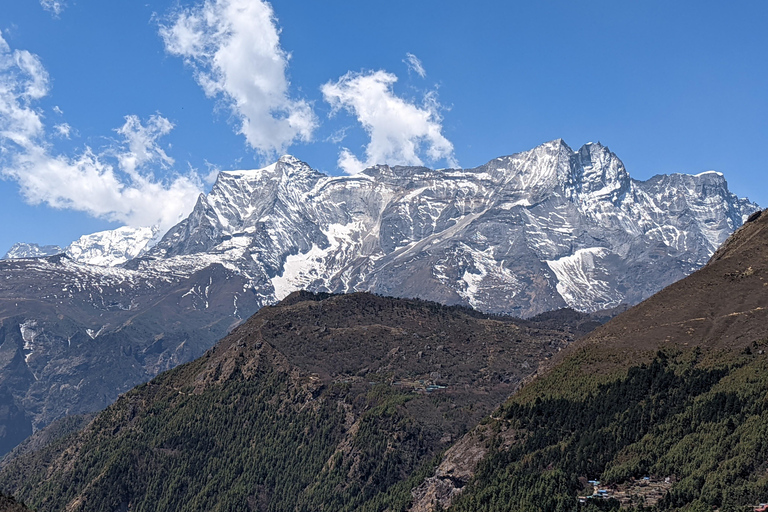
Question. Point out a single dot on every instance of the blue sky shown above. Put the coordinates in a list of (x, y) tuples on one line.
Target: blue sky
[(121, 112)]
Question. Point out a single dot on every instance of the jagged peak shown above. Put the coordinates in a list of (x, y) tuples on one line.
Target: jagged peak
[(290, 160), (249, 173), (24, 250), (598, 170), (388, 173), (557, 144), (597, 149), (712, 177), (286, 165)]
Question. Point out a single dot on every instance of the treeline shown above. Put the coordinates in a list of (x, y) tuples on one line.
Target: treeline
[(704, 427)]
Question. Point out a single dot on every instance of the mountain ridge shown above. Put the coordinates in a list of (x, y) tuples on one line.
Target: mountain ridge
[(523, 234), (294, 235)]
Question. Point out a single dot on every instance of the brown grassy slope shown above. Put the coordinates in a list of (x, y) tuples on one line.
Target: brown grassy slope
[(481, 360), (721, 307)]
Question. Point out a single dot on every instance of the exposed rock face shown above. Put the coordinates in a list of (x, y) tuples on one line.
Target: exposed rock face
[(74, 336), (523, 234), (454, 472)]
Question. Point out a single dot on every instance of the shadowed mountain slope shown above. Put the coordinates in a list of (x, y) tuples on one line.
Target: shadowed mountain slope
[(8, 504), (72, 338), (360, 402)]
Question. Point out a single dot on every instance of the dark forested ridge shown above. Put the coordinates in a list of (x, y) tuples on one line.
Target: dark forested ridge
[(666, 406), (320, 403), (9, 504)]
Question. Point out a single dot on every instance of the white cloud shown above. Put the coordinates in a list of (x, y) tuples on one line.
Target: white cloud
[(63, 130), (234, 48), (414, 64), (54, 6), (213, 173), (141, 144), (338, 136), (127, 192), (399, 131), (22, 81)]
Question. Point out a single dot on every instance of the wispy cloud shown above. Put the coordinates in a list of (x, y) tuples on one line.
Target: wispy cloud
[(414, 64), (53, 6), (234, 49), (338, 136), (399, 131), (126, 191), (141, 142), (63, 130)]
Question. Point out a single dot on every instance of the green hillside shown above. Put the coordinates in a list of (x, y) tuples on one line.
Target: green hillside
[(321, 403)]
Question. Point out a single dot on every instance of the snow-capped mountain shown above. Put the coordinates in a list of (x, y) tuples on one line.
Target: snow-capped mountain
[(25, 250), (522, 234), (105, 248), (113, 247)]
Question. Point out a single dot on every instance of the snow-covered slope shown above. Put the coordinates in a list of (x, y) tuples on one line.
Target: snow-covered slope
[(113, 247), (105, 248), (522, 234), (25, 250), (535, 231)]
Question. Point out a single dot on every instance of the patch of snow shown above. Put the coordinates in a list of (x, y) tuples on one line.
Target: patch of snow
[(28, 335), (252, 173), (95, 334), (481, 289), (299, 270), (580, 279), (520, 202), (24, 250)]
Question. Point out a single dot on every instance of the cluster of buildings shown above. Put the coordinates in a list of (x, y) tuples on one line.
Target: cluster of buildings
[(646, 491)]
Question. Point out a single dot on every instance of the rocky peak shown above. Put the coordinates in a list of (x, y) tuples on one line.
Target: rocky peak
[(598, 174)]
